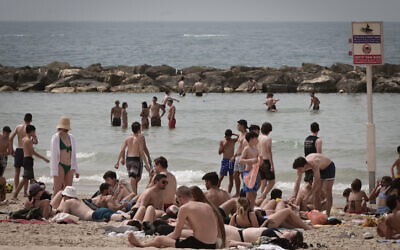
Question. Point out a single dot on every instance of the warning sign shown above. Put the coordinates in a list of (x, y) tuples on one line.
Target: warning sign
[(367, 42)]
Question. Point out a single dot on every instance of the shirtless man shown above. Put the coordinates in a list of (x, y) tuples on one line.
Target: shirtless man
[(135, 155), (5, 150), (116, 115), (67, 202), (214, 194), (155, 118), (27, 143), (181, 86), (239, 168), (171, 114), (324, 176), (270, 102), (314, 102), (304, 196), (389, 227), (18, 154), (251, 85), (267, 171), (124, 115), (249, 157), (117, 189), (227, 149), (191, 213), (167, 97), (105, 199), (396, 164), (198, 88), (161, 167)]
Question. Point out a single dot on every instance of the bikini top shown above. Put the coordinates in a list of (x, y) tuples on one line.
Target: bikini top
[(239, 226), (382, 195), (63, 146)]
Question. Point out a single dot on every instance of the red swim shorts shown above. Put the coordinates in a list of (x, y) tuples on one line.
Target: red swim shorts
[(172, 123)]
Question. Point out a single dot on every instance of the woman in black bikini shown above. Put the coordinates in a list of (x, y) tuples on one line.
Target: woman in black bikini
[(244, 218)]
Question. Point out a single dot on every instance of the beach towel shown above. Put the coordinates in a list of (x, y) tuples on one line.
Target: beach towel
[(64, 218), (23, 221), (250, 179)]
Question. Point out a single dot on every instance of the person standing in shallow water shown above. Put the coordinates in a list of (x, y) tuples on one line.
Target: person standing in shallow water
[(155, 113), (145, 115), (181, 86), (171, 114), (314, 102), (124, 115), (63, 163), (270, 102), (116, 115)]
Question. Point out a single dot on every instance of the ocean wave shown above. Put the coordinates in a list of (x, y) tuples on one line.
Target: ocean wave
[(79, 155), (14, 35), (203, 35)]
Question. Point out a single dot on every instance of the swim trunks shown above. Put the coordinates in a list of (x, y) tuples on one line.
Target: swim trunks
[(245, 188), (265, 171), (134, 166), (3, 164), (239, 167), (102, 213), (328, 173), (28, 168), (199, 93), (316, 108), (192, 242), (273, 107), (130, 204), (226, 166), (116, 122), (171, 123), (19, 157), (181, 92), (155, 121)]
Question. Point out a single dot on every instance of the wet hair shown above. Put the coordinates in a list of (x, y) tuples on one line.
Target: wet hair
[(136, 127), (314, 127), (6, 129), (158, 177), (211, 177), (30, 128), (269, 95), (251, 135), (254, 127), (243, 204), (299, 162), (162, 161), (124, 104), (28, 117), (391, 201), (144, 105), (155, 98), (276, 193), (266, 128), (398, 149), (110, 174), (356, 185), (117, 102), (228, 133), (346, 192), (184, 191), (104, 186), (387, 179), (297, 240), (309, 178)]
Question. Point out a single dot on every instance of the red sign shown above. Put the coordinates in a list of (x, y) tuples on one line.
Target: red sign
[(367, 39)]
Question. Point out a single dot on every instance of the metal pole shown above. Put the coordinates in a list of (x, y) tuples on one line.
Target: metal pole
[(371, 145)]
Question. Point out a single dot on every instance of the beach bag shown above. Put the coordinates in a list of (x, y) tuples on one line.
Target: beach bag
[(251, 177), (27, 214), (317, 218)]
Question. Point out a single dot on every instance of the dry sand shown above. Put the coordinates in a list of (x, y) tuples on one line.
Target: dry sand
[(89, 235)]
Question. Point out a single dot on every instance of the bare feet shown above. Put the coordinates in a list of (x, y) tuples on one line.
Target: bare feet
[(133, 241), (14, 198)]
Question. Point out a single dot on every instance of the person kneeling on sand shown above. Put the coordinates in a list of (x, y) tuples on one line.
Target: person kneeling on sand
[(34, 200), (205, 232), (67, 201)]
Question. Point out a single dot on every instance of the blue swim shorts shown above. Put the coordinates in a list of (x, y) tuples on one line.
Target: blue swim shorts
[(250, 190), (102, 213), (226, 166)]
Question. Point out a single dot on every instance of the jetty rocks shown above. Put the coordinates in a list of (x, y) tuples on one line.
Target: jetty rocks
[(58, 77)]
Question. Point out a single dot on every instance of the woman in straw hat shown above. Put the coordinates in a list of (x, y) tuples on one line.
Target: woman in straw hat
[(63, 156)]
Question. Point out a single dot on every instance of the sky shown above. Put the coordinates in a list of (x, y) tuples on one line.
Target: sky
[(199, 10)]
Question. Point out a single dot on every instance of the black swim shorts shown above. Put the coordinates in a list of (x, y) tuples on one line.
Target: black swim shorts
[(192, 242), (28, 168), (265, 171), (19, 158), (116, 122), (134, 166)]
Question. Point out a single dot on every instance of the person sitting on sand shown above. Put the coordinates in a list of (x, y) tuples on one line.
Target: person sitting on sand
[(124, 115), (105, 199), (304, 197), (227, 149), (346, 194), (67, 201), (5, 150), (389, 227), (288, 239), (155, 113), (380, 191), (116, 115), (244, 218), (271, 102), (396, 164), (145, 115), (214, 194), (357, 202), (191, 213), (118, 188), (34, 200)]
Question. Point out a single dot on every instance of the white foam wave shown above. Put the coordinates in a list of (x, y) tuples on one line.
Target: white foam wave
[(203, 35), (79, 155)]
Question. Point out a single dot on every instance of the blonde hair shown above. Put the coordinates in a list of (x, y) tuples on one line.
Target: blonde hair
[(243, 205)]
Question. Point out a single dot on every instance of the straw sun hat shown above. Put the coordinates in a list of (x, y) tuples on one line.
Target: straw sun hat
[(64, 123)]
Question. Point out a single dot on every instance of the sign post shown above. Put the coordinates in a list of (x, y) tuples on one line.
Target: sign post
[(367, 38)]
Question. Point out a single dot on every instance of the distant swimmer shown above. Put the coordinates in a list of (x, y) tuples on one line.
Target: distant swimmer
[(155, 113), (124, 115), (181, 86), (171, 114), (199, 88), (396, 164), (251, 85), (270, 102), (167, 97), (116, 115), (314, 102), (145, 115)]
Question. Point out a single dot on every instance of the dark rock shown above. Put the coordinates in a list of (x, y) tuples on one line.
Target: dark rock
[(324, 83), (48, 76), (69, 72), (94, 67), (84, 83), (115, 78), (285, 68), (387, 69), (132, 79), (168, 82), (351, 85), (156, 71), (278, 82), (32, 86), (145, 81), (215, 78), (240, 68), (58, 65), (197, 69), (191, 79), (141, 69), (26, 74), (387, 85), (352, 75), (7, 76), (341, 68), (126, 69), (311, 68), (126, 88), (63, 82)]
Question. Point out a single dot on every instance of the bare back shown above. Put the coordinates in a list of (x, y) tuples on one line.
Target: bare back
[(318, 161), (151, 196), (264, 146), (76, 207), (217, 196), (134, 146), (170, 189), (4, 145), (20, 131)]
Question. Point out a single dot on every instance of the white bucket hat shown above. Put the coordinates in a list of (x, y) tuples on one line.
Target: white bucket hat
[(64, 123), (70, 191)]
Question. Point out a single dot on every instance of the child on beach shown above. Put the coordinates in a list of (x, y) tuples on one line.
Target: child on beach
[(124, 115), (357, 202), (145, 115), (227, 148), (380, 191), (396, 164), (346, 194)]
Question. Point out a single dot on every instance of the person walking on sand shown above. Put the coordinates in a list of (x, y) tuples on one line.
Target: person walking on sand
[(135, 155), (314, 102), (124, 115), (63, 163), (145, 115), (270, 102), (181, 86), (155, 113), (5, 151), (238, 167), (20, 132), (27, 143), (116, 115), (171, 114), (227, 149), (267, 170), (396, 164), (324, 176)]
